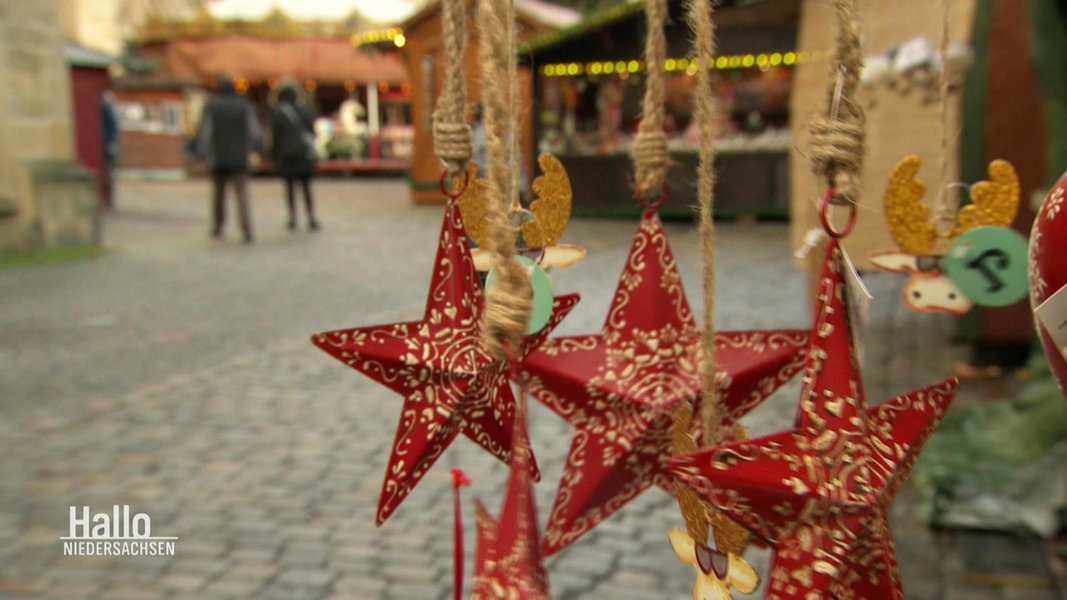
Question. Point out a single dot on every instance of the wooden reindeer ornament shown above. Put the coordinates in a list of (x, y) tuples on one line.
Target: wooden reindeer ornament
[(551, 211), (923, 245)]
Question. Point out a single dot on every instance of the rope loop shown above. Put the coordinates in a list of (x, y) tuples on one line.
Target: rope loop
[(447, 189), (648, 204), (824, 216), (651, 158)]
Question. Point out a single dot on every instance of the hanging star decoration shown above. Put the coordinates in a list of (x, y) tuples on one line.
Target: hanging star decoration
[(450, 383), (819, 493), (619, 388), (508, 560)]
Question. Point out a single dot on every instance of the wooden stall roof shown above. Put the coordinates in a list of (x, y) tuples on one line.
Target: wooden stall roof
[(322, 60)]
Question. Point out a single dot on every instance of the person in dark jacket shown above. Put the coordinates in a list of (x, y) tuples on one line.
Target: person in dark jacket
[(229, 133), (293, 151), (110, 122)]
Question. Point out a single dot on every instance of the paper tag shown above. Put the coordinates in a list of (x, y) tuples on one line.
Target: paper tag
[(859, 300), (812, 239), (1052, 313)]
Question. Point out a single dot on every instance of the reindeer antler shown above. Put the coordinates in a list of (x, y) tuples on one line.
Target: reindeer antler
[(905, 214), (472, 206), (995, 201), (552, 206)]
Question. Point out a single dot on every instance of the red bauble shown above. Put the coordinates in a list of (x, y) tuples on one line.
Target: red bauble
[(620, 388), (819, 492), (450, 382), (1048, 268)]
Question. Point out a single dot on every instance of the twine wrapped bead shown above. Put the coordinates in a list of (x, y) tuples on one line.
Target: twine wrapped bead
[(837, 156), (452, 145), (651, 158)]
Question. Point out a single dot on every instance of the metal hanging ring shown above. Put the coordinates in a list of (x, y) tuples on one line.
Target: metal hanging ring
[(452, 195), (824, 216), (653, 204)]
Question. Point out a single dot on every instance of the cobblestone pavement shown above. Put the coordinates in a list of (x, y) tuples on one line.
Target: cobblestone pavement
[(174, 374)]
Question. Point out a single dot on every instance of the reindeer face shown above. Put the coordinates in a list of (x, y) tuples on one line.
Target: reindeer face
[(927, 289), (933, 291), (716, 572)]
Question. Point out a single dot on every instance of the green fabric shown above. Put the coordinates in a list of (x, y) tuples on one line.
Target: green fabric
[(999, 466)]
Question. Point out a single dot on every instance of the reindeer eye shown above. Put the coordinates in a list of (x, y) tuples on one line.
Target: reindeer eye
[(952, 295), (916, 294)]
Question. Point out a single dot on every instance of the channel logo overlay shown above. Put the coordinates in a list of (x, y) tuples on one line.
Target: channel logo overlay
[(115, 533)]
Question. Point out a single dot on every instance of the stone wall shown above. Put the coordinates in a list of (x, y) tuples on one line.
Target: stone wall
[(94, 24), (35, 122)]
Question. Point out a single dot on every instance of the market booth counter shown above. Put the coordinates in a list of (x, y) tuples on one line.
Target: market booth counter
[(589, 82), (747, 183)]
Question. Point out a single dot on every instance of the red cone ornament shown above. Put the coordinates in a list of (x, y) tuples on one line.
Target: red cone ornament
[(508, 560)]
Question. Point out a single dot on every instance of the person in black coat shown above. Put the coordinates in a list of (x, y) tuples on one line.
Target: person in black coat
[(294, 153), (229, 133)]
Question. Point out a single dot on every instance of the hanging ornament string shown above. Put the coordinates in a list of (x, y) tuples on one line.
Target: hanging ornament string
[(699, 16), (512, 102), (650, 155), (947, 198), (451, 132), (837, 140), (507, 302)]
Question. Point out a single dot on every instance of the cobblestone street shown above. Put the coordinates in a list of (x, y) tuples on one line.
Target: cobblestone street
[(174, 373)]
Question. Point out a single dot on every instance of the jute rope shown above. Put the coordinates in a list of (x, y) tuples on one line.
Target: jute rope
[(699, 16), (508, 302), (947, 199), (837, 140), (451, 132), (650, 155)]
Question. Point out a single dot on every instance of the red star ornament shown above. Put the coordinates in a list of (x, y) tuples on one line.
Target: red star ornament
[(619, 388), (450, 383), (819, 493), (508, 560)]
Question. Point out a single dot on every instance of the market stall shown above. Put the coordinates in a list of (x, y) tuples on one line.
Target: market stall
[(423, 55), (361, 94), (587, 90)]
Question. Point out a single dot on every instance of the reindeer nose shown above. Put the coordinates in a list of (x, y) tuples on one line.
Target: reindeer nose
[(711, 560), (928, 263)]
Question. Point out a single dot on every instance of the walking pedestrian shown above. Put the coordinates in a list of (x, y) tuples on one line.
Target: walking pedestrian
[(110, 124), (294, 151), (229, 133)]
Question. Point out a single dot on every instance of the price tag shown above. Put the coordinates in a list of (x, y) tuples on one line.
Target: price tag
[(1052, 314), (859, 298), (989, 265)]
